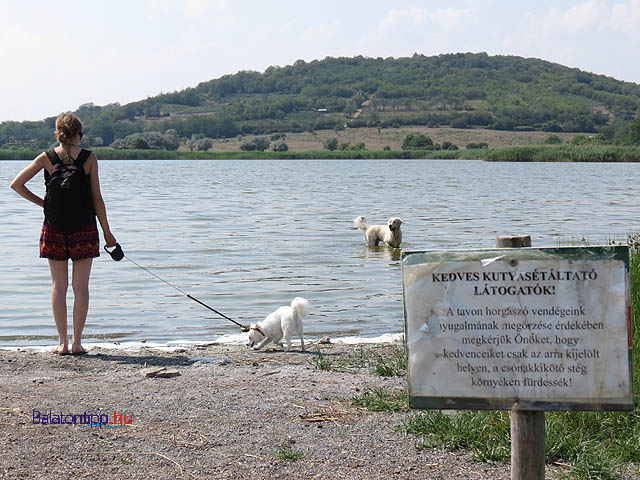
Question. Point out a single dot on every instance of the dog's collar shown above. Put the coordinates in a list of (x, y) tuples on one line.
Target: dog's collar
[(257, 329)]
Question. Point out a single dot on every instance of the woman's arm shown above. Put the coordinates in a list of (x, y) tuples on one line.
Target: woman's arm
[(27, 173), (98, 201)]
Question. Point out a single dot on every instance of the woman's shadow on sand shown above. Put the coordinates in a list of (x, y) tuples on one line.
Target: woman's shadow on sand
[(183, 360), (145, 360)]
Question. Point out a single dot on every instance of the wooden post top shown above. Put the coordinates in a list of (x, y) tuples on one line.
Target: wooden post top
[(513, 241)]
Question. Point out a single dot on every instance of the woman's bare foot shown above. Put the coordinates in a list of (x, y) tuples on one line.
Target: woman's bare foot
[(77, 349), (61, 350)]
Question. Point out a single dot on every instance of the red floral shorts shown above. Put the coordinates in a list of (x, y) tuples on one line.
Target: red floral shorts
[(59, 245)]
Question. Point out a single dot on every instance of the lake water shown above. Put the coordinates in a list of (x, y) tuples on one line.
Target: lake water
[(246, 237)]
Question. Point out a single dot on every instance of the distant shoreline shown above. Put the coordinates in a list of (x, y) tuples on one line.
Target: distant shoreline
[(113, 154), (534, 153)]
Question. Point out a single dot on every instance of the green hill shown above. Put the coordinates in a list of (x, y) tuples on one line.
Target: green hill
[(461, 90)]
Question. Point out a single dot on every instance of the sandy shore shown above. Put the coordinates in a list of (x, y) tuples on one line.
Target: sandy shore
[(233, 417)]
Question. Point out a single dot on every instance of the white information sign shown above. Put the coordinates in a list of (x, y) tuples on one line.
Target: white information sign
[(540, 328)]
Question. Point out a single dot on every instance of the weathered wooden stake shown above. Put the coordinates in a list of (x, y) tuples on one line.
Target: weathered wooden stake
[(527, 427), (513, 241)]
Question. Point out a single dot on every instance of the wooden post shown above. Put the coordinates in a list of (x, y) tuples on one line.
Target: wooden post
[(527, 427), (513, 241), (527, 444)]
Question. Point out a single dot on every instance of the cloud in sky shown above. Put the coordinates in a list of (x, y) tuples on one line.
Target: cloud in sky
[(419, 17), (574, 19), (158, 8), (203, 9), (121, 51), (324, 30), (625, 17)]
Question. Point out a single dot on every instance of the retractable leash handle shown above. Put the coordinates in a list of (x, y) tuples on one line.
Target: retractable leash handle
[(117, 254)]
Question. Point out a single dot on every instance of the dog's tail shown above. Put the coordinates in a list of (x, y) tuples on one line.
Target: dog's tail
[(359, 223), (300, 307)]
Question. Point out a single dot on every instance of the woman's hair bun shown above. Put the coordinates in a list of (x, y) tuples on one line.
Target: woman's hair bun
[(67, 127)]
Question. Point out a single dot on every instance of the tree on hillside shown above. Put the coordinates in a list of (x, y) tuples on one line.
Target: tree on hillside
[(330, 143), (551, 126), (140, 143), (199, 144), (146, 140), (261, 143), (633, 136), (248, 146), (417, 141), (279, 146), (459, 122), (258, 143)]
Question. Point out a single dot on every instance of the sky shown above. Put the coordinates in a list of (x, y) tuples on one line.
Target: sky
[(56, 56)]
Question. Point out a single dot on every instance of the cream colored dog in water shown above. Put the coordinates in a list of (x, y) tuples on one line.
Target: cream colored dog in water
[(283, 323), (374, 234)]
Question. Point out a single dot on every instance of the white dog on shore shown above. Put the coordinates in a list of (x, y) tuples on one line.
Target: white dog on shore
[(283, 323), (374, 234)]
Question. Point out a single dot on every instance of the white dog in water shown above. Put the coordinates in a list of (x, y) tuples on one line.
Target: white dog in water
[(374, 234), (282, 323)]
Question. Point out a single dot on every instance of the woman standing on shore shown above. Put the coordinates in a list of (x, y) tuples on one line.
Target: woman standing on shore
[(71, 205)]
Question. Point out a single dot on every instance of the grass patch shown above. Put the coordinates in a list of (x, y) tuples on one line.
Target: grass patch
[(596, 445), (393, 364), (382, 400), (484, 433), (359, 360), (288, 454), (321, 362)]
